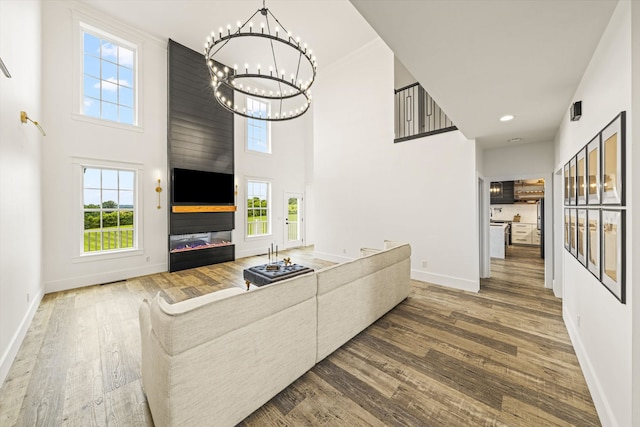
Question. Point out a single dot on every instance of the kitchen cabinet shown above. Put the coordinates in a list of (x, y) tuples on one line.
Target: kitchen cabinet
[(498, 240), (503, 197), (522, 233), (535, 237)]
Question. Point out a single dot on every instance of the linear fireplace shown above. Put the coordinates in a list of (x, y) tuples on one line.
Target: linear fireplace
[(200, 249), (197, 241)]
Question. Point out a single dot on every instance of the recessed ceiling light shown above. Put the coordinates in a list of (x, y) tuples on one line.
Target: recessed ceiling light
[(507, 118), (515, 140)]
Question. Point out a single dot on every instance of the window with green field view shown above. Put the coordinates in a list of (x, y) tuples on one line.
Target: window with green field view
[(108, 78), (258, 208), (108, 209)]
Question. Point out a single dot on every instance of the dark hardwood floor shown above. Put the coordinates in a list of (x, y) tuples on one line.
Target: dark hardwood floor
[(501, 357)]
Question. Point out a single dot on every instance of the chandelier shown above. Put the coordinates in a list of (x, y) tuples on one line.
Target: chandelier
[(280, 73)]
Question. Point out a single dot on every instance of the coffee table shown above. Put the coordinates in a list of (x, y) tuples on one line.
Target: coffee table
[(260, 275)]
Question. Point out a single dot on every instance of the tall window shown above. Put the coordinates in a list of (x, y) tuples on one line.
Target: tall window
[(108, 78), (109, 209), (258, 208), (258, 138)]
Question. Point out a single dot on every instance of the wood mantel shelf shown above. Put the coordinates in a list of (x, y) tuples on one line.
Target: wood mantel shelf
[(190, 209)]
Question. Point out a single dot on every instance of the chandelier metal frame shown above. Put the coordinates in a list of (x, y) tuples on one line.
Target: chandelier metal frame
[(287, 88)]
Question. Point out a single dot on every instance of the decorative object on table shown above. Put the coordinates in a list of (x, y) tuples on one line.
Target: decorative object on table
[(261, 275), (287, 261), (613, 161), (274, 50), (516, 218), (593, 171)]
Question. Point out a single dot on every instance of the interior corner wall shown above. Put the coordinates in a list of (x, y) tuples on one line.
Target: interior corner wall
[(70, 137), (369, 189), (600, 326), (21, 287)]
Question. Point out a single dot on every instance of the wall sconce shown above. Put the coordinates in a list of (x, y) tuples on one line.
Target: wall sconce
[(158, 190), (576, 111), (24, 118)]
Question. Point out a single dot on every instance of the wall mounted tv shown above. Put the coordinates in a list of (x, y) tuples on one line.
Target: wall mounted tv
[(202, 188)]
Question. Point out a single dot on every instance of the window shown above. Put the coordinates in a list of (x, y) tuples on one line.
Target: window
[(258, 138), (108, 77), (108, 209), (258, 208)]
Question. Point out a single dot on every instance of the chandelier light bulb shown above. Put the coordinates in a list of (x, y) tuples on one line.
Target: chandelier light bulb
[(292, 92)]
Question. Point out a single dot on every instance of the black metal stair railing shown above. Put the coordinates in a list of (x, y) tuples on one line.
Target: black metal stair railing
[(417, 115)]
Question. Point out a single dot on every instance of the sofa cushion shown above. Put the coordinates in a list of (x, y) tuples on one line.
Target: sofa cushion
[(190, 323)]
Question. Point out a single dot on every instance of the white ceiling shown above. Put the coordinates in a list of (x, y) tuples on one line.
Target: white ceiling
[(482, 59), (479, 59)]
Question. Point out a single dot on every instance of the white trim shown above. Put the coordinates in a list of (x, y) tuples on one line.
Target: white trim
[(246, 129), (600, 401), (18, 337), (121, 35), (449, 281), (104, 277), (77, 163), (269, 183)]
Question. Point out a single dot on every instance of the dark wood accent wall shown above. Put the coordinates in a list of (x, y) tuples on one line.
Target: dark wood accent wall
[(200, 130), (200, 137)]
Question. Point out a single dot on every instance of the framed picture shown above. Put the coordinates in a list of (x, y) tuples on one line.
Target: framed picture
[(567, 229), (581, 242), (572, 181), (613, 161), (593, 241), (581, 177), (613, 252), (567, 200), (593, 171), (572, 232)]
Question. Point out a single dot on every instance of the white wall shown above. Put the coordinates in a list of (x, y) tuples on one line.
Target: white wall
[(599, 325), (369, 189), (21, 286), (634, 258), (69, 137), (285, 168)]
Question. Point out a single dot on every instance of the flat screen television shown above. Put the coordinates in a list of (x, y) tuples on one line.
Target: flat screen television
[(202, 188)]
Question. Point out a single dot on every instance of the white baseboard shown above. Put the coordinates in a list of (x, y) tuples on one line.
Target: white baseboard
[(103, 277), (16, 341), (600, 401), (449, 281)]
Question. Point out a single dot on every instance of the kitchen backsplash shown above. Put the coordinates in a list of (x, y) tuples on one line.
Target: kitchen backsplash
[(528, 213)]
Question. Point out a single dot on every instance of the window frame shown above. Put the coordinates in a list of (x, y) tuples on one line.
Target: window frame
[(249, 122), (269, 199), (79, 255), (115, 34)]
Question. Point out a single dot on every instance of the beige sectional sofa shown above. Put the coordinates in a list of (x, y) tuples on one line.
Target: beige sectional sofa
[(214, 359)]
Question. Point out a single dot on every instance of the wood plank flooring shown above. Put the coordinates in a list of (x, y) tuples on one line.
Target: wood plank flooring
[(443, 357)]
